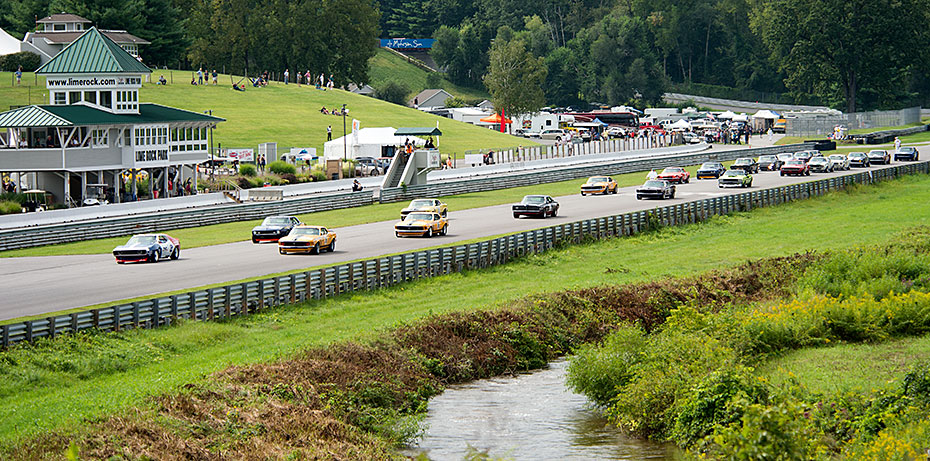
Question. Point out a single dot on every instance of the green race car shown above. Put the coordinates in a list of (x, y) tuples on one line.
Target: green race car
[(735, 178)]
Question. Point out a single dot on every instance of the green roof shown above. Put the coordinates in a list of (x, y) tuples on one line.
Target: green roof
[(93, 53), (81, 115), (418, 132)]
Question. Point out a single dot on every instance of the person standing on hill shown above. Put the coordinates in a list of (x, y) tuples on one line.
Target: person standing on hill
[(329, 133), (200, 76), (286, 76), (897, 144), (19, 75), (214, 75)]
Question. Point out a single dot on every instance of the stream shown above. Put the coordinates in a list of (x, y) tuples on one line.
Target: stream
[(531, 416)]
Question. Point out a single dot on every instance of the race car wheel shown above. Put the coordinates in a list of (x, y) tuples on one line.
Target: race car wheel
[(516, 216), (582, 194), (332, 246), (254, 241), (445, 230), (639, 197), (120, 262), (445, 213), (152, 257), (176, 253), (782, 173), (687, 180), (281, 250), (316, 249), (397, 234), (614, 191), (672, 195), (555, 212), (429, 232)]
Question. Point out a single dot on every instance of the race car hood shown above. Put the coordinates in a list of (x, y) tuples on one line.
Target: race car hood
[(300, 238), (421, 208), (269, 228), (417, 222), (133, 247)]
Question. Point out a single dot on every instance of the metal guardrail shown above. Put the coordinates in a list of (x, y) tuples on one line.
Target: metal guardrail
[(116, 227), (444, 188), (247, 297)]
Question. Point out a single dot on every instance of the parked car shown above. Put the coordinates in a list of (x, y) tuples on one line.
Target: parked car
[(859, 159), (553, 134), (536, 205), (906, 153), (840, 161), (820, 165), (273, 228), (430, 205), (674, 174), (710, 170), (747, 164), (796, 168), (735, 178), (368, 166), (422, 224), (599, 185), (655, 188), (148, 247), (770, 163), (879, 156), (307, 239)]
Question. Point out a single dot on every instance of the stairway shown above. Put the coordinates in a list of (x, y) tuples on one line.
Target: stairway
[(396, 171)]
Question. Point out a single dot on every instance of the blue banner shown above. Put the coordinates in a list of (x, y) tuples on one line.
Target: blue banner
[(399, 43)]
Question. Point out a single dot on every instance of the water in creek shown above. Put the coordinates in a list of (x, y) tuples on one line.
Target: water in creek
[(527, 417)]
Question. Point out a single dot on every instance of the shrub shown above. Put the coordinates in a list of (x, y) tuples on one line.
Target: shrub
[(11, 62), (393, 92), (247, 169), (319, 175), (433, 80), (281, 168), (10, 207), (289, 178)]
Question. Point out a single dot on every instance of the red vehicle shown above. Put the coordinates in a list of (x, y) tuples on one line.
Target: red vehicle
[(674, 174), (796, 168), (648, 127)]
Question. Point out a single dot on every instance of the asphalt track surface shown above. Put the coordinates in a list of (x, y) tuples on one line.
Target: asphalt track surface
[(39, 285)]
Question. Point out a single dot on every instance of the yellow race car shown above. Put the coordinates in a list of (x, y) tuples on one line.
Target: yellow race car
[(429, 205), (419, 223), (307, 239), (599, 185)]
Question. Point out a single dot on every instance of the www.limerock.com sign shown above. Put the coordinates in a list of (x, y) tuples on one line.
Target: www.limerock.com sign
[(92, 82)]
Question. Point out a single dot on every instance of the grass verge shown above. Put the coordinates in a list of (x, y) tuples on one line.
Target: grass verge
[(60, 383)]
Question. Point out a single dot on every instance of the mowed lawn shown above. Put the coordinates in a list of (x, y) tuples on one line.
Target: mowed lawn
[(56, 385), (286, 114), (386, 66)]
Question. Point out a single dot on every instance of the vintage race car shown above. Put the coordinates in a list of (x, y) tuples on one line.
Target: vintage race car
[(536, 205), (423, 224), (307, 239), (770, 162), (710, 170), (674, 174), (148, 247), (599, 185), (748, 164), (735, 178), (429, 205), (820, 165), (839, 161), (655, 188), (906, 153), (879, 156), (796, 167), (859, 159), (273, 228)]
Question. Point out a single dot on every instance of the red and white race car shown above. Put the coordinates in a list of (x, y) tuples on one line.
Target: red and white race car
[(148, 247), (674, 174)]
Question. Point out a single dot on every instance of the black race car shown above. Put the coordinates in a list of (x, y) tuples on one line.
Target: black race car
[(655, 188), (536, 205), (747, 164), (859, 159), (770, 163), (906, 153), (710, 170), (273, 228)]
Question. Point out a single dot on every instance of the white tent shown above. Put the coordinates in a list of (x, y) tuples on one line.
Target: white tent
[(681, 125), (727, 115), (9, 44), (366, 142), (741, 118), (766, 114)]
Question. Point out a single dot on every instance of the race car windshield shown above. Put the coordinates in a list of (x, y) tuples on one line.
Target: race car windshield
[(767, 158), (276, 222), (419, 217), (598, 179), (534, 200), (654, 184), (818, 160), (141, 240), (836, 157), (672, 170), (856, 155), (709, 165), (743, 161), (796, 162), (305, 231), (734, 173), (421, 203)]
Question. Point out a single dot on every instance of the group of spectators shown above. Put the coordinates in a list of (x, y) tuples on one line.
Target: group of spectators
[(197, 79)]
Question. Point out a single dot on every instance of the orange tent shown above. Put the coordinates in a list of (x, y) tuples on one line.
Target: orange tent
[(496, 118)]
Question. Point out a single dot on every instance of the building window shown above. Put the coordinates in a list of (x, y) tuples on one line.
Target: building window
[(58, 27), (99, 138), (61, 98), (74, 97), (106, 99), (90, 96)]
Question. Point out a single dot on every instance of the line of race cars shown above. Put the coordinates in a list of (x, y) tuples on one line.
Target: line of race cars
[(429, 217)]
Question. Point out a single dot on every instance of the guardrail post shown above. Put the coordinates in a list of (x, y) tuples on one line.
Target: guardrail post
[(174, 309), (293, 282), (116, 315), (135, 315), (51, 327), (211, 311), (74, 322), (323, 283), (378, 271), (337, 280), (244, 287), (192, 305), (261, 294), (227, 300), (29, 331), (5, 329), (95, 315)]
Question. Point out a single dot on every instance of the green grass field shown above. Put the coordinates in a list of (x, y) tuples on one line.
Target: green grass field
[(386, 67), (238, 231), (848, 367), (58, 384), (286, 114)]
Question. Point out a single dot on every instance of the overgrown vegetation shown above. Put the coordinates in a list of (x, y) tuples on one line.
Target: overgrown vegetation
[(693, 380)]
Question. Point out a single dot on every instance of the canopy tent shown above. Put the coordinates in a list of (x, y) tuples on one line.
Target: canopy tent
[(727, 115), (418, 132), (681, 125), (8, 44), (496, 119), (741, 118), (766, 114), (366, 142)]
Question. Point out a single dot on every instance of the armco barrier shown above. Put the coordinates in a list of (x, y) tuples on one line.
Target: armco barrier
[(115, 227), (243, 298), (119, 226), (444, 188)]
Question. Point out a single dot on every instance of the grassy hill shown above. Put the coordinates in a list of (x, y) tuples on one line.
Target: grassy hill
[(286, 114), (386, 66)]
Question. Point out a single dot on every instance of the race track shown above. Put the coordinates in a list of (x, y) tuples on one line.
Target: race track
[(38, 285)]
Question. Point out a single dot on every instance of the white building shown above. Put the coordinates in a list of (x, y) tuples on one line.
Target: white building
[(59, 30), (367, 142)]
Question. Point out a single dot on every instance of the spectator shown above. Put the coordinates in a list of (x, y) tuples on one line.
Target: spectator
[(200, 76), (214, 75), (286, 76), (652, 175), (897, 144), (329, 133), (19, 75), (193, 80), (356, 186), (161, 80)]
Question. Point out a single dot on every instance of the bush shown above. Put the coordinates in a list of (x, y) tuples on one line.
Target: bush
[(281, 168), (10, 207), (11, 62), (393, 92), (289, 178), (433, 80), (247, 169)]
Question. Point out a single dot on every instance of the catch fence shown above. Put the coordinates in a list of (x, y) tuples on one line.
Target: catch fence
[(247, 297), (823, 125)]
